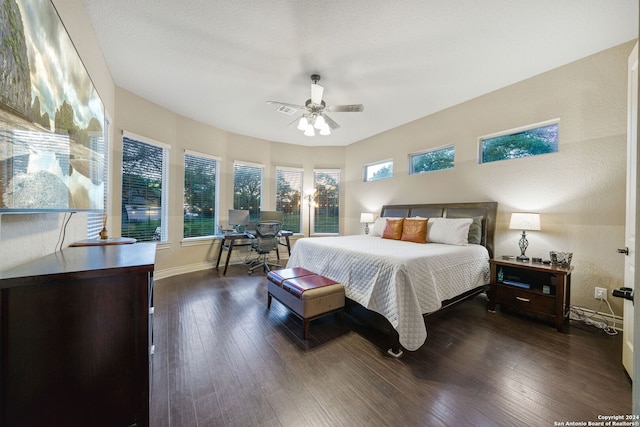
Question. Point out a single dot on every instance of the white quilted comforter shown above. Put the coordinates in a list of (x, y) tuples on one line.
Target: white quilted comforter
[(400, 280)]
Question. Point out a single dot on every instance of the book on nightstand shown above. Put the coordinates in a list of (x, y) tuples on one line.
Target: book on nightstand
[(517, 284)]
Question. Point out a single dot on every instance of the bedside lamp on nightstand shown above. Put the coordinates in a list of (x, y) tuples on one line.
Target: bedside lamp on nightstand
[(366, 218), (524, 221)]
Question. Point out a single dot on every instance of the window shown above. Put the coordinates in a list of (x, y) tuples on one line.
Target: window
[(432, 160), (379, 170), (99, 144), (326, 215), (288, 195), (200, 194), (247, 188), (145, 170), (541, 138)]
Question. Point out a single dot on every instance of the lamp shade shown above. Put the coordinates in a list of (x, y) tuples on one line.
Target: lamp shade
[(366, 217), (309, 131), (319, 123), (525, 221), (303, 123)]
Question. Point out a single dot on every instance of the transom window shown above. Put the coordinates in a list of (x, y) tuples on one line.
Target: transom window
[(432, 160), (533, 140), (378, 170)]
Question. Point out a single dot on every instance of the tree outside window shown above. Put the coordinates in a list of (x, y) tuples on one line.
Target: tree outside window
[(513, 145), (434, 160), (288, 197), (200, 195), (380, 170), (327, 206), (144, 172), (247, 189)]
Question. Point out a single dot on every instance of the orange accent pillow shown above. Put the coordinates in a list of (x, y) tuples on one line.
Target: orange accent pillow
[(414, 230), (393, 229)]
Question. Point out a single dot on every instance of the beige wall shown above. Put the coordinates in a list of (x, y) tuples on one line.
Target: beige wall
[(27, 237), (579, 191), (138, 116)]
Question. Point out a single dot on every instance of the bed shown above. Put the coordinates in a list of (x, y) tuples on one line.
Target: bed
[(404, 281)]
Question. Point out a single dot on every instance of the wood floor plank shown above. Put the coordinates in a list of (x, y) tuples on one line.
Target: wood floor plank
[(223, 359)]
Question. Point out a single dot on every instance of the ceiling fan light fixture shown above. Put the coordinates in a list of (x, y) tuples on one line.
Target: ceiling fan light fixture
[(325, 130), (303, 123), (309, 131), (313, 120), (320, 122)]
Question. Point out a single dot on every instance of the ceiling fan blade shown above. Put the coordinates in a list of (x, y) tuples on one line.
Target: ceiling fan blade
[(316, 93), (286, 104), (332, 124), (296, 121), (353, 108)]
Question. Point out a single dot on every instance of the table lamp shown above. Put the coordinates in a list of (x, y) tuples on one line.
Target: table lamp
[(366, 218), (524, 221)]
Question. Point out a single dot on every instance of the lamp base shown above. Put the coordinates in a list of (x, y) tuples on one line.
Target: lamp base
[(366, 228), (523, 243)]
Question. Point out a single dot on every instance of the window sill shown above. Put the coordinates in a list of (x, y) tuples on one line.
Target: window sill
[(198, 241)]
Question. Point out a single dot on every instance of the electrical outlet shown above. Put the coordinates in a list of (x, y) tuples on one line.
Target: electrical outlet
[(600, 293)]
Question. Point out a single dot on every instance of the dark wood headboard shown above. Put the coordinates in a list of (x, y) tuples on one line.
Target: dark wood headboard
[(487, 210)]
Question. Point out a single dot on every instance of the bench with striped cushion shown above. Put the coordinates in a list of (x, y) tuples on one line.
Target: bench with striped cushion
[(307, 294)]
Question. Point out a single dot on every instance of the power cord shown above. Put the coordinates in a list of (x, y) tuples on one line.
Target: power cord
[(63, 231), (601, 322), (250, 257)]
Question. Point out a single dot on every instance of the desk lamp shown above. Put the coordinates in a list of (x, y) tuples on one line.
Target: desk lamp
[(524, 221)]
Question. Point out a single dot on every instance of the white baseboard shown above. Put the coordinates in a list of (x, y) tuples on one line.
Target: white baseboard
[(190, 268), (597, 315), (183, 269)]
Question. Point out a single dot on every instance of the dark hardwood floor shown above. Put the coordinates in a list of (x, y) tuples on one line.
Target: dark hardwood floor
[(222, 359)]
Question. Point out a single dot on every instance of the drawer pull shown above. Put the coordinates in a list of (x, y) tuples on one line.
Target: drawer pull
[(523, 299)]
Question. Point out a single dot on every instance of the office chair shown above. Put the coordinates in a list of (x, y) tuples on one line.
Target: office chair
[(266, 240)]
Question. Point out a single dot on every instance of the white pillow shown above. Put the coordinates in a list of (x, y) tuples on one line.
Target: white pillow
[(451, 231), (378, 226)]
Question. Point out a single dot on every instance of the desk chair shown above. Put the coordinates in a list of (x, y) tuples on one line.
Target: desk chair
[(265, 240)]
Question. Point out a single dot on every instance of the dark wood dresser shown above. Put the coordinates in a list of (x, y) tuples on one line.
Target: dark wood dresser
[(75, 337)]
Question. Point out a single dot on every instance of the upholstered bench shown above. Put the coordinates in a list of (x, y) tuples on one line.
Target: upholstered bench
[(307, 294)]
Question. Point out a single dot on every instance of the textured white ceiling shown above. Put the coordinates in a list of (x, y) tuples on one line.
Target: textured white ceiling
[(218, 62)]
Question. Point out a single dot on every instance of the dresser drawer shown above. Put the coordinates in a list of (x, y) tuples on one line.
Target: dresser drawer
[(521, 299)]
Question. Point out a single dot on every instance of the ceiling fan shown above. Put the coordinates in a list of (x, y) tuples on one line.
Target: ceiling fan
[(314, 117)]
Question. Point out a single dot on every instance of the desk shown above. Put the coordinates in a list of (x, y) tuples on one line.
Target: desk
[(286, 234), (229, 242), (104, 242)]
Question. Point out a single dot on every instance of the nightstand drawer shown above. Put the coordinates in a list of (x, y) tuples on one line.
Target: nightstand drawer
[(524, 300)]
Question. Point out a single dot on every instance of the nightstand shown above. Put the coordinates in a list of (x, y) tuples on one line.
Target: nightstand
[(535, 288)]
